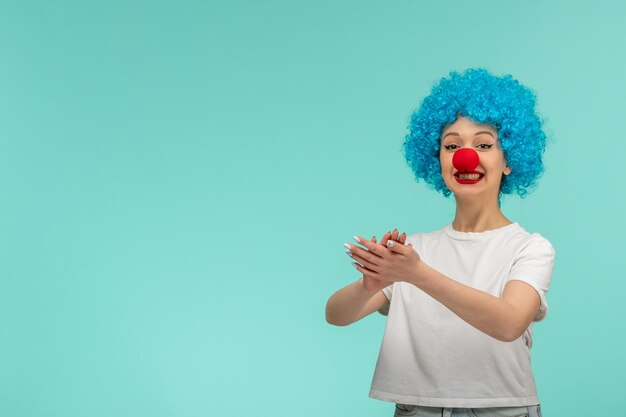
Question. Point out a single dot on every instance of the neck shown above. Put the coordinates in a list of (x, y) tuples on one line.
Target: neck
[(478, 215)]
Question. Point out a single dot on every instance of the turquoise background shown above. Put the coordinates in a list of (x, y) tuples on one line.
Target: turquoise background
[(178, 179)]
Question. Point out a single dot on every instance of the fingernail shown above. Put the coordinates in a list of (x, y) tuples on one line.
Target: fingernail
[(389, 243), (357, 239), (347, 245), (354, 263), (348, 252)]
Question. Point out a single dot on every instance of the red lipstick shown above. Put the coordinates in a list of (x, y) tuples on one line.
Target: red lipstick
[(466, 181)]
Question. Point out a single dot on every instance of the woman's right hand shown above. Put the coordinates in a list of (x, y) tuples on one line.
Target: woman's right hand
[(374, 284)]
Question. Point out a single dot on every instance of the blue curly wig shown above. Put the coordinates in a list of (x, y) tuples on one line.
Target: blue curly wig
[(481, 97)]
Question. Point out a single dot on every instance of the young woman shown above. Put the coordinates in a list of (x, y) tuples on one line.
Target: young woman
[(461, 300)]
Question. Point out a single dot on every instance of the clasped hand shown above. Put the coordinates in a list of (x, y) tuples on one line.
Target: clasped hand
[(386, 262)]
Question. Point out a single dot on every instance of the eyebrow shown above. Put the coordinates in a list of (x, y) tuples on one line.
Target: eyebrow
[(475, 134)]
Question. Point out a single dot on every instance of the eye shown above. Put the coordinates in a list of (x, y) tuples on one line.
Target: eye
[(483, 146)]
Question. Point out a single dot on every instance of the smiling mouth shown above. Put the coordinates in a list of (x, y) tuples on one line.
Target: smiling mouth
[(468, 177)]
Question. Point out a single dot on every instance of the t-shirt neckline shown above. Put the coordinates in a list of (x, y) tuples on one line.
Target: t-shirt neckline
[(478, 235)]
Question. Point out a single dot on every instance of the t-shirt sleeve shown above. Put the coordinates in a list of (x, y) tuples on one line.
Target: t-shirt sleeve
[(533, 265)]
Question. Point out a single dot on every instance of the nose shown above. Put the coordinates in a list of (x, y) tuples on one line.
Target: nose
[(465, 159)]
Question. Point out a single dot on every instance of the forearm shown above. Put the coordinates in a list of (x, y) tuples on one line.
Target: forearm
[(485, 312), (343, 307)]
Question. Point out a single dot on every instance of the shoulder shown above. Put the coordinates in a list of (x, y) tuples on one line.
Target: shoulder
[(418, 240), (535, 242), (424, 237)]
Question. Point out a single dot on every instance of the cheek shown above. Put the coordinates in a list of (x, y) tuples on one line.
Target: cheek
[(445, 165), (443, 168), (445, 160)]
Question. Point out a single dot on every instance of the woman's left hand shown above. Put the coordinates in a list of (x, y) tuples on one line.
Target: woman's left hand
[(396, 262)]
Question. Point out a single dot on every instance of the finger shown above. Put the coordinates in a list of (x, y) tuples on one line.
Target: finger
[(364, 270), (385, 238), (394, 234), (402, 238), (364, 255), (373, 248), (365, 263), (374, 239), (398, 247)]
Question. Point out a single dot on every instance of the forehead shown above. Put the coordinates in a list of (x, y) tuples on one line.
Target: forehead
[(465, 126)]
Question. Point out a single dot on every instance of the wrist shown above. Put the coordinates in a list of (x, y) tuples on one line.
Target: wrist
[(362, 287), (419, 274)]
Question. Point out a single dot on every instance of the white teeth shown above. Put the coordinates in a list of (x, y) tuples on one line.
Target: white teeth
[(469, 176)]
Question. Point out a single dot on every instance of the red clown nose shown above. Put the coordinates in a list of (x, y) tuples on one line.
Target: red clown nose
[(465, 159)]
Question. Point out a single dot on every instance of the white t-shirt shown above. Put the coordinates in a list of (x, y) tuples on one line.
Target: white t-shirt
[(431, 357)]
